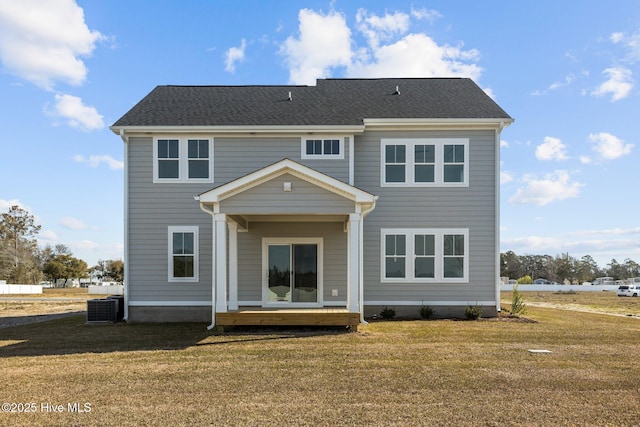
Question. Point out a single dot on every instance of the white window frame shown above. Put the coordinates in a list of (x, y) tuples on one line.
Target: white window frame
[(196, 252), (303, 147), (183, 159), (410, 257), (410, 163)]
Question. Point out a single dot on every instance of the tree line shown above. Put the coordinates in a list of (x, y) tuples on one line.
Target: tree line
[(23, 261), (564, 267)]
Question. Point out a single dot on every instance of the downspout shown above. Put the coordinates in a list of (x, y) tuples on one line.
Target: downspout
[(125, 139), (210, 211), (361, 260)]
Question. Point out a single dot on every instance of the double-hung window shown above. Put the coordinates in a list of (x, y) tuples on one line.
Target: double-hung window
[(322, 148), (425, 162), (183, 254), (183, 160), (425, 255)]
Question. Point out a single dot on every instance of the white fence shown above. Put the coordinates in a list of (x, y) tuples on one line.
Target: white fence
[(560, 288), (20, 289), (106, 290)]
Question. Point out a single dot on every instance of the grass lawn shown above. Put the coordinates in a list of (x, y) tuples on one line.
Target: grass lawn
[(443, 372)]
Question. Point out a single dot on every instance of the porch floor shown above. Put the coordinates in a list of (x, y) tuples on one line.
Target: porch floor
[(256, 316)]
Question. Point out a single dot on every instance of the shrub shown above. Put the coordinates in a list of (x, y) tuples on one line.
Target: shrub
[(518, 306), (426, 312), (473, 312), (388, 313), (525, 280)]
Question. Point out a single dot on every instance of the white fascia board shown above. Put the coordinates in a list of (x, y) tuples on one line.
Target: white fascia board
[(425, 123), (274, 129)]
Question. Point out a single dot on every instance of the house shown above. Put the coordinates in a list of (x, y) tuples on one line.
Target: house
[(311, 204)]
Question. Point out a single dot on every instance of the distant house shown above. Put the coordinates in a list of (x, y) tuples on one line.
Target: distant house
[(311, 204), (541, 282)]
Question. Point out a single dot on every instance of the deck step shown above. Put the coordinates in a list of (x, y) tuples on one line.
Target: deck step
[(286, 318)]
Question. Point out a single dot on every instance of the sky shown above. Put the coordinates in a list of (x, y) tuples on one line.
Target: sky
[(567, 72)]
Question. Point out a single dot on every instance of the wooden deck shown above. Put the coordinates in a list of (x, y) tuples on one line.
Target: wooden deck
[(288, 317)]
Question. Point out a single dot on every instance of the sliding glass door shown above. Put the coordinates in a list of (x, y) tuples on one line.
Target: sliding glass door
[(292, 275)]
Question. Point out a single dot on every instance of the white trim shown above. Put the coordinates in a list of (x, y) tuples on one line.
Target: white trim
[(170, 303), (439, 234), (183, 159), (241, 129), (441, 124), (410, 163), (196, 252), (352, 159), (125, 140), (220, 269), (266, 241), (353, 262), (233, 265), (322, 138), (431, 303), (497, 215)]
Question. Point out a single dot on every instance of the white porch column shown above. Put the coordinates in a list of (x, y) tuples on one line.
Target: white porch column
[(220, 243), (233, 265), (353, 263)]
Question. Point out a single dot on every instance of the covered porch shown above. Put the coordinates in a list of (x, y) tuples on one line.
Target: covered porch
[(287, 248)]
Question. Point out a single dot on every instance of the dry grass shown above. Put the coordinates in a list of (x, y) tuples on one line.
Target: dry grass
[(598, 302), (391, 373), (51, 301)]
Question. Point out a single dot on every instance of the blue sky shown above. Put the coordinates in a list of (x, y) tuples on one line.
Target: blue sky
[(567, 74)]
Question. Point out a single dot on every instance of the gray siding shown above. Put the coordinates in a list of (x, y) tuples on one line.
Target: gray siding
[(239, 156), (304, 198), (155, 207), (472, 207), (152, 209)]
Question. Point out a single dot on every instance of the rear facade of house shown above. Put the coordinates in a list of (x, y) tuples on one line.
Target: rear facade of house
[(344, 197)]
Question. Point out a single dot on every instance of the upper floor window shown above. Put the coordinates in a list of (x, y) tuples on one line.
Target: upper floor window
[(183, 160), (322, 148), (425, 162), (425, 255)]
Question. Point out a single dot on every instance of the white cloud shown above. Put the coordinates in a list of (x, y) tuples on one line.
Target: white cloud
[(616, 37), (73, 223), (97, 160), (42, 41), (5, 205), (76, 114), (631, 42), (48, 235), (415, 55), (235, 55), (585, 160), (550, 188), (618, 85), (608, 146), (504, 144), (506, 177), (601, 244), (324, 43), (551, 149), (429, 15), (377, 29)]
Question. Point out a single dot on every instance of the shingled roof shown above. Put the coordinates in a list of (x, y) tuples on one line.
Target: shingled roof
[(334, 102)]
